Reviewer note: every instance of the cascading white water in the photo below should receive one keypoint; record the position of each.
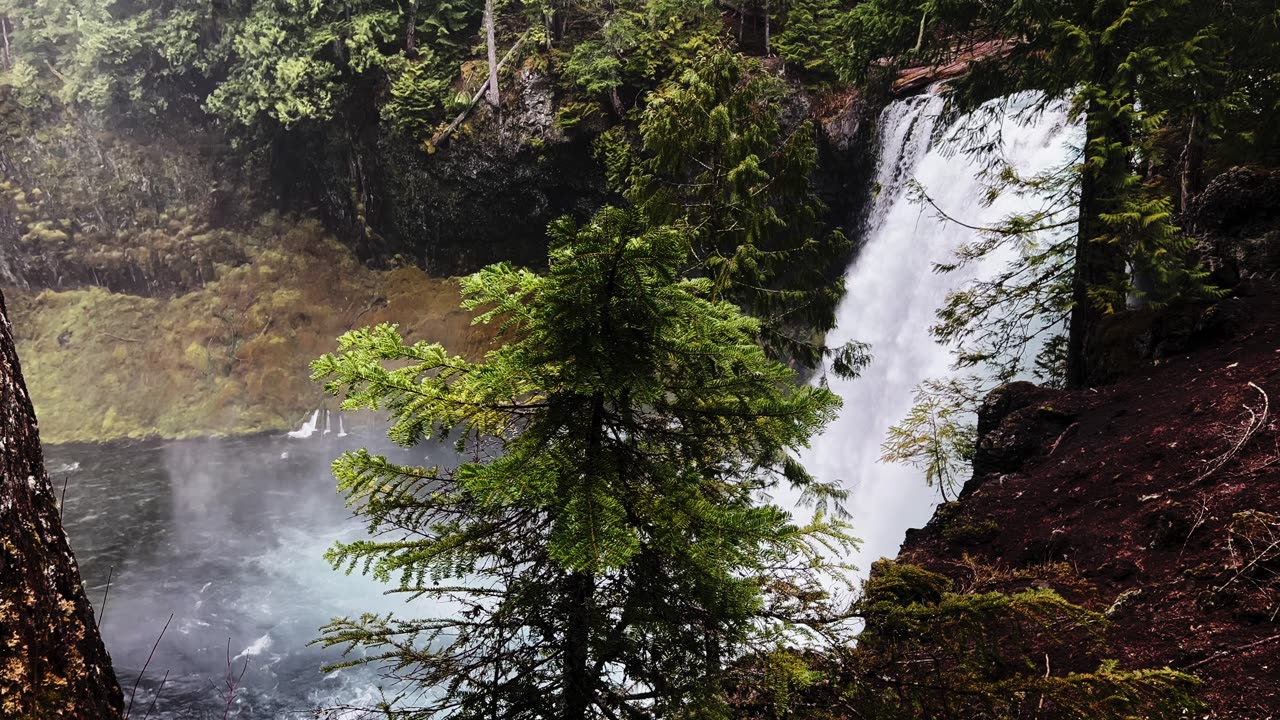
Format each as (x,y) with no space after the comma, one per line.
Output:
(308,428)
(893,294)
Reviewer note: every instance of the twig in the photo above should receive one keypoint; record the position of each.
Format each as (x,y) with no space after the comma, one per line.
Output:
(1256,423)
(1264,555)
(1040,707)
(62,503)
(1223,653)
(159,690)
(1053,448)
(232,684)
(105,591)
(1257,420)
(145,665)
(54,70)
(1204,510)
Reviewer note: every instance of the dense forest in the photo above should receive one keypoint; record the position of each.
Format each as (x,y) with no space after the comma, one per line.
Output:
(649,208)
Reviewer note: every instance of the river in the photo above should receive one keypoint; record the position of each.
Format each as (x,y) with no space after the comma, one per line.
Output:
(228,536)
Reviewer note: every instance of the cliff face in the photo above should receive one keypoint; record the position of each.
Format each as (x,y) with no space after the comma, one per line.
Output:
(485,196)
(1162,489)
(88,203)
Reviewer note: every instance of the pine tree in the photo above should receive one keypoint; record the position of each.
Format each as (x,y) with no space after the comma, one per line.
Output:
(712,152)
(603,551)
(810,36)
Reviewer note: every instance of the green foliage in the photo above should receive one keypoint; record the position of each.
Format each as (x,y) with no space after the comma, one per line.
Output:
(296,61)
(639,44)
(254,63)
(417,96)
(932,651)
(712,152)
(575,114)
(85,52)
(605,532)
(594,68)
(938,435)
(810,38)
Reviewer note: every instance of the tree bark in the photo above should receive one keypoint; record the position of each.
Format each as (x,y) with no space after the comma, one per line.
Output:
(52,660)
(443,136)
(1097,264)
(577,680)
(8,53)
(1192,164)
(767,49)
(410,36)
(493,53)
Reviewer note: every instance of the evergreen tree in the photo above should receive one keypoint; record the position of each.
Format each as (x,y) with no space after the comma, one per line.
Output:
(712,152)
(604,550)
(810,36)
(55,664)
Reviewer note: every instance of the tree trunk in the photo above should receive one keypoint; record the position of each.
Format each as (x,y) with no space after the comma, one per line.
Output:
(1192,164)
(766,28)
(616,101)
(410,36)
(577,680)
(55,665)
(493,53)
(4,30)
(1097,264)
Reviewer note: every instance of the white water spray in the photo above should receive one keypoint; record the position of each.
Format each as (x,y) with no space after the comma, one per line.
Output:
(308,428)
(893,294)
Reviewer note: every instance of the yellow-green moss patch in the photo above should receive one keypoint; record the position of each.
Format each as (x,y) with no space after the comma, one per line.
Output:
(229,357)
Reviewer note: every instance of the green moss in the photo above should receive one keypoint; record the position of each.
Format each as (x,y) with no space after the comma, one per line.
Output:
(230,356)
(959,528)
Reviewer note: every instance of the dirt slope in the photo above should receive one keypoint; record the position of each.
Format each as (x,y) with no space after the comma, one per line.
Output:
(1163,490)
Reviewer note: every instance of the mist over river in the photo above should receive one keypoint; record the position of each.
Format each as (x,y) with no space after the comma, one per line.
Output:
(228,536)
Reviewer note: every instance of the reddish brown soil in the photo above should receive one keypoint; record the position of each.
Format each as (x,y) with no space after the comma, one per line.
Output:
(1152,491)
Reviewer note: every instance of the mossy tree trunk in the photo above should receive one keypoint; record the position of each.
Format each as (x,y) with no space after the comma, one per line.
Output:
(52,660)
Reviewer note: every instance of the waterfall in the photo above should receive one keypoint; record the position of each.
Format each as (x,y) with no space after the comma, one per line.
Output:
(892,294)
(308,428)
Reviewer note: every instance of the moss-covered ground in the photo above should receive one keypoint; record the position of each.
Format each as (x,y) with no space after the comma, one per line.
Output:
(230,356)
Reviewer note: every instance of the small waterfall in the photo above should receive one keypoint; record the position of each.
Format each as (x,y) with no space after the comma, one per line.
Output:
(893,293)
(327,419)
(308,428)
(342,431)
